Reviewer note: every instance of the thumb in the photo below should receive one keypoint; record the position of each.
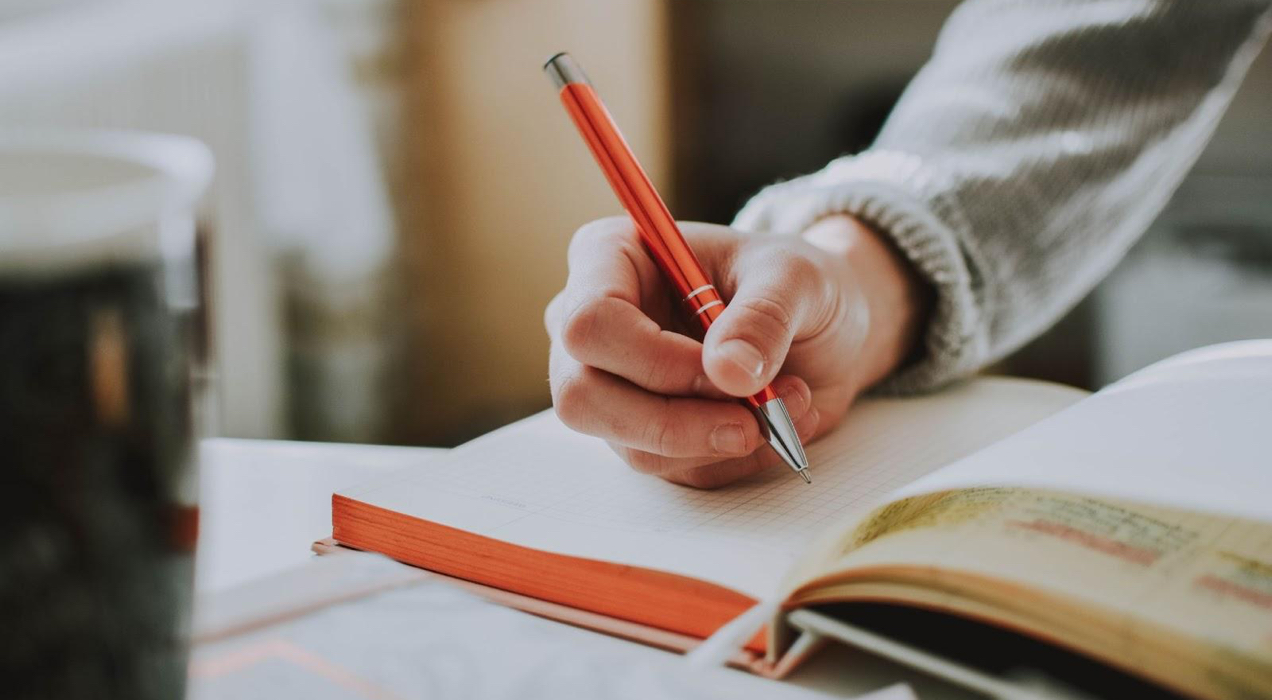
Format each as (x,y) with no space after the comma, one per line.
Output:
(777,297)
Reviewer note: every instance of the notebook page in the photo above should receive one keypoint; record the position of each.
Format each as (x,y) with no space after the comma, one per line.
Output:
(1192,432)
(537,484)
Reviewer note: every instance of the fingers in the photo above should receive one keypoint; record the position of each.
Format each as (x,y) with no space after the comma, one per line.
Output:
(656,395)
(601,268)
(612,335)
(597,319)
(598,403)
(665,436)
(709,474)
(780,295)
(606,260)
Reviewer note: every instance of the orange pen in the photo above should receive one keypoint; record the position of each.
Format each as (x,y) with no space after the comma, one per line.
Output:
(662,238)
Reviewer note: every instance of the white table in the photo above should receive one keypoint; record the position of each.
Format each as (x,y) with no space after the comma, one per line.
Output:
(264,502)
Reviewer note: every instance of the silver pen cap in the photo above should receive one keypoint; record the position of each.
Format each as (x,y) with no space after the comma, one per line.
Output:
(562,70)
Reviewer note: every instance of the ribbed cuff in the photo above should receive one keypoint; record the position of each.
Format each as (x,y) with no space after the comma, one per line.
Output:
(896,194)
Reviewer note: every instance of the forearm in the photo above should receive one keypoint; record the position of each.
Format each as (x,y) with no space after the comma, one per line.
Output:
(1028,155)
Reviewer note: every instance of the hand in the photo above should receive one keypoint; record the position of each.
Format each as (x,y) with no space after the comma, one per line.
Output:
(821,317)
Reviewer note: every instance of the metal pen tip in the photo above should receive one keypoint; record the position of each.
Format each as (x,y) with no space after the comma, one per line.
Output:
(779,430)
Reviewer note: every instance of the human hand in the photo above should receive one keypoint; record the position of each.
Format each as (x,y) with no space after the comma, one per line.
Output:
(821,317)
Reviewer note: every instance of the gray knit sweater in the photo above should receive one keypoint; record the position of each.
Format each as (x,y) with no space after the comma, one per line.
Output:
(1037,144)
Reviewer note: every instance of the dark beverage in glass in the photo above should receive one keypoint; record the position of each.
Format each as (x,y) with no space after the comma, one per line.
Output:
(97,507)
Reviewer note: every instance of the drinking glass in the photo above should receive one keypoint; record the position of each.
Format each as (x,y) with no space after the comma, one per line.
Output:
(98,315)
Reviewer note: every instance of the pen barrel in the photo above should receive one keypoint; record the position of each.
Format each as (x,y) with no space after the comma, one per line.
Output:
(704,304)
(657,228)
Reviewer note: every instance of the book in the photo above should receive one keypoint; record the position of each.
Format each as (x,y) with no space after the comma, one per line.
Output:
(1132,527)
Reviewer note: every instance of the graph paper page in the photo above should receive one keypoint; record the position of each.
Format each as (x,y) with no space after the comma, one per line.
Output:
(1190,432)
(537,484)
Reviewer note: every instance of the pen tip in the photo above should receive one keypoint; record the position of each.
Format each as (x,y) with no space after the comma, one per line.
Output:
(804,475)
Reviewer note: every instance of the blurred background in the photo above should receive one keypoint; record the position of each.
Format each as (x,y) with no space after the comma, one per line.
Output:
(396,183)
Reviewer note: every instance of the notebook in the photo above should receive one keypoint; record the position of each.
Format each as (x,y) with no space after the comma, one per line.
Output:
(1130,527)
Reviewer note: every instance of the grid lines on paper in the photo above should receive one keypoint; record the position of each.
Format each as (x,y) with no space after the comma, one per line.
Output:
(568,477)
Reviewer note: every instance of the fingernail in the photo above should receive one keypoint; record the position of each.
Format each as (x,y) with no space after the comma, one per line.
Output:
(793,398)
(744,355)
(699,382)
(728,439)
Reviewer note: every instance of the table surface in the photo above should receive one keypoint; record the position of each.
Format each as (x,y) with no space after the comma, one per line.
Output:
(264,502)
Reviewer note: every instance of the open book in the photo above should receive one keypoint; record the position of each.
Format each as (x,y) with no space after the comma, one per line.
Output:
(1132,526)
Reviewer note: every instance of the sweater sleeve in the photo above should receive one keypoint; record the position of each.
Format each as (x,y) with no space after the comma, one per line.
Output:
(1036,145)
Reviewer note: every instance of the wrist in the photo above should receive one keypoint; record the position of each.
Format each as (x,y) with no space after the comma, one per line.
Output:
(873,273)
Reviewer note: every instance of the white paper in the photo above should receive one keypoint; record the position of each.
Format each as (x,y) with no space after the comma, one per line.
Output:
(424,640)
(537,484)
(1194,432)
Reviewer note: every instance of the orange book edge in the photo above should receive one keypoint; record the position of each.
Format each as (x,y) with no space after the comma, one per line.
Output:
(664,610)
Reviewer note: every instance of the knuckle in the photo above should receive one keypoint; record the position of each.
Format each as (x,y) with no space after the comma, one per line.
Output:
(661,372)
(798,269)
(700,478)
(552,313)
(570,399)
(603,229)
(579,325)
(643,462)
(767,317)
(663,435)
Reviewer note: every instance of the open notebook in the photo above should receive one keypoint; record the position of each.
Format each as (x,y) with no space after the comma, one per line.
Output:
(1130,527)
